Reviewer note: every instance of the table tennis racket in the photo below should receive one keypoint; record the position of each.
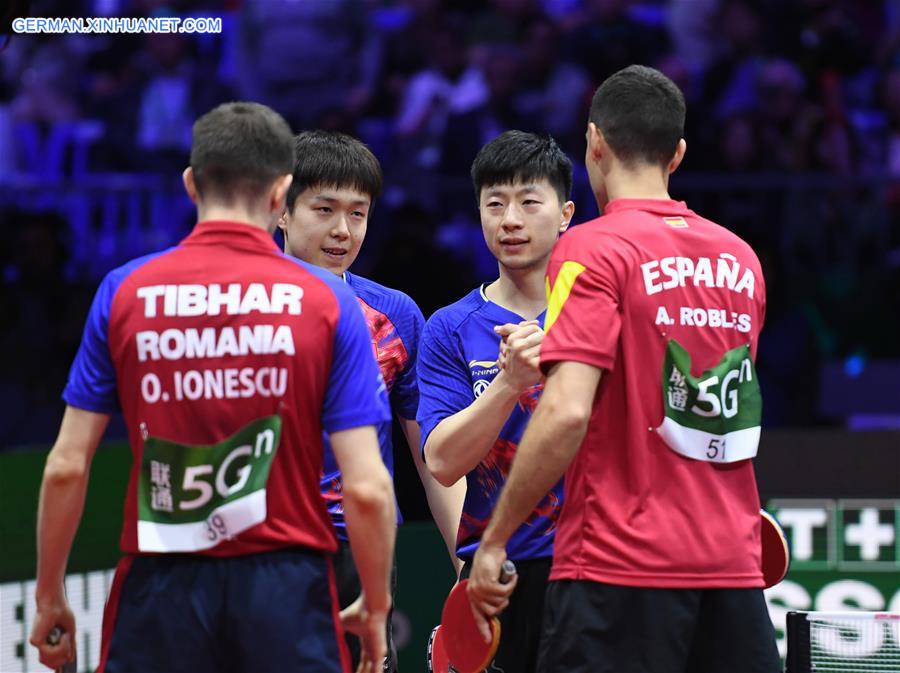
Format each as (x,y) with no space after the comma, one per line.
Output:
(53,638)
(437,653)
(776,558)
(466,650)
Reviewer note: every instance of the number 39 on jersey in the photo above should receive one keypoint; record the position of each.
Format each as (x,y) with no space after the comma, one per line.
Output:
(193,497)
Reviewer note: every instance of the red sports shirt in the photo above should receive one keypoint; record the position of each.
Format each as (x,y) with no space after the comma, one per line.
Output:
(670,306)
(228,359)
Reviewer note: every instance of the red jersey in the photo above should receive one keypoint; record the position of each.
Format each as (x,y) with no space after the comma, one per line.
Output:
(662,492)
(228,359)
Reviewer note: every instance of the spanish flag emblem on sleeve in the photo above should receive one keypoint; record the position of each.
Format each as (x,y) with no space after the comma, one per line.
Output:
(676,222)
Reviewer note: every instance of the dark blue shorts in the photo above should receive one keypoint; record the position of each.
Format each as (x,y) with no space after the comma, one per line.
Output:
(275,611)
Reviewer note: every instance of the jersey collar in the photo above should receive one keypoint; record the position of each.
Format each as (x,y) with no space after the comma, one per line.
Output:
(501,314)
(660,206)
(230,233)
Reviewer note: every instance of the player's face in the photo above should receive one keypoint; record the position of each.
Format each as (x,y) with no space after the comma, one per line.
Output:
(327,227)
(522,221)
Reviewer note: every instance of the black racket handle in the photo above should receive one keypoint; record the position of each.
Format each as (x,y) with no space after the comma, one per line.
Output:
(507,570)
(53,638)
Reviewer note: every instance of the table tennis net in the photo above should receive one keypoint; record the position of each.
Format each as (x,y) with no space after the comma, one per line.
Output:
(843,642)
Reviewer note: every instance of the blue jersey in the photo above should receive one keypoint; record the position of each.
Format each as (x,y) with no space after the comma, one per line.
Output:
(457,362)
(395,323)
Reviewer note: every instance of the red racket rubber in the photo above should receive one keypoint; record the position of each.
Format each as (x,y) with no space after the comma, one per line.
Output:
(466,649)
(776,557)
(437,653)
(464,645)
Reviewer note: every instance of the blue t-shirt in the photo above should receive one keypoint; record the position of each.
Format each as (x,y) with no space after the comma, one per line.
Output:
(395,323)
(457,362)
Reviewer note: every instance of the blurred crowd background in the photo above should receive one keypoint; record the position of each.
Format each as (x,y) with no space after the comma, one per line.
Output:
(793,134)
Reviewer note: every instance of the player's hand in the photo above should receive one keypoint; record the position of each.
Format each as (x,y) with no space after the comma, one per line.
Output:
(486,594)
(520,353)
(352,616)
(51,613)
(374,643)
(371,628)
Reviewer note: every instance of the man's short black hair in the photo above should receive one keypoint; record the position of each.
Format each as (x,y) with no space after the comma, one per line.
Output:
(518,156)
(333,159)
(238,149)
(640,112)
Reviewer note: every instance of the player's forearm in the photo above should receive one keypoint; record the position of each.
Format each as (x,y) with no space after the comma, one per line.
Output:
(445,502)
(371,519)
(59,512)
(461,441)
(548,446)
(62,495)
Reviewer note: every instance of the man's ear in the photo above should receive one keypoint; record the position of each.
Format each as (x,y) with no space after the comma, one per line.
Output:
(596,143)
(278,193)
(187,177)
(568,210)
(679,156)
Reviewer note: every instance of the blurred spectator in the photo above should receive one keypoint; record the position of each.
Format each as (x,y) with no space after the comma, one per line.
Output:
(788,123)
(606,38)
(730,83)
(48,88)
(468,131)
(744,210)
(803,136)
(824,36)
(166,110)
(407,34)
(693,32)
(504,21)
(447,86)
(740,149)
(308,59)
(890,141)
(8,157)
(886,142)
(554,92)
(114,96)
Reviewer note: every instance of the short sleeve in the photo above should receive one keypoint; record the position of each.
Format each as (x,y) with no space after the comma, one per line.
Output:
(356,394)
(405,393)
(584,317)
(445,386)
(92,378)
(761,304)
